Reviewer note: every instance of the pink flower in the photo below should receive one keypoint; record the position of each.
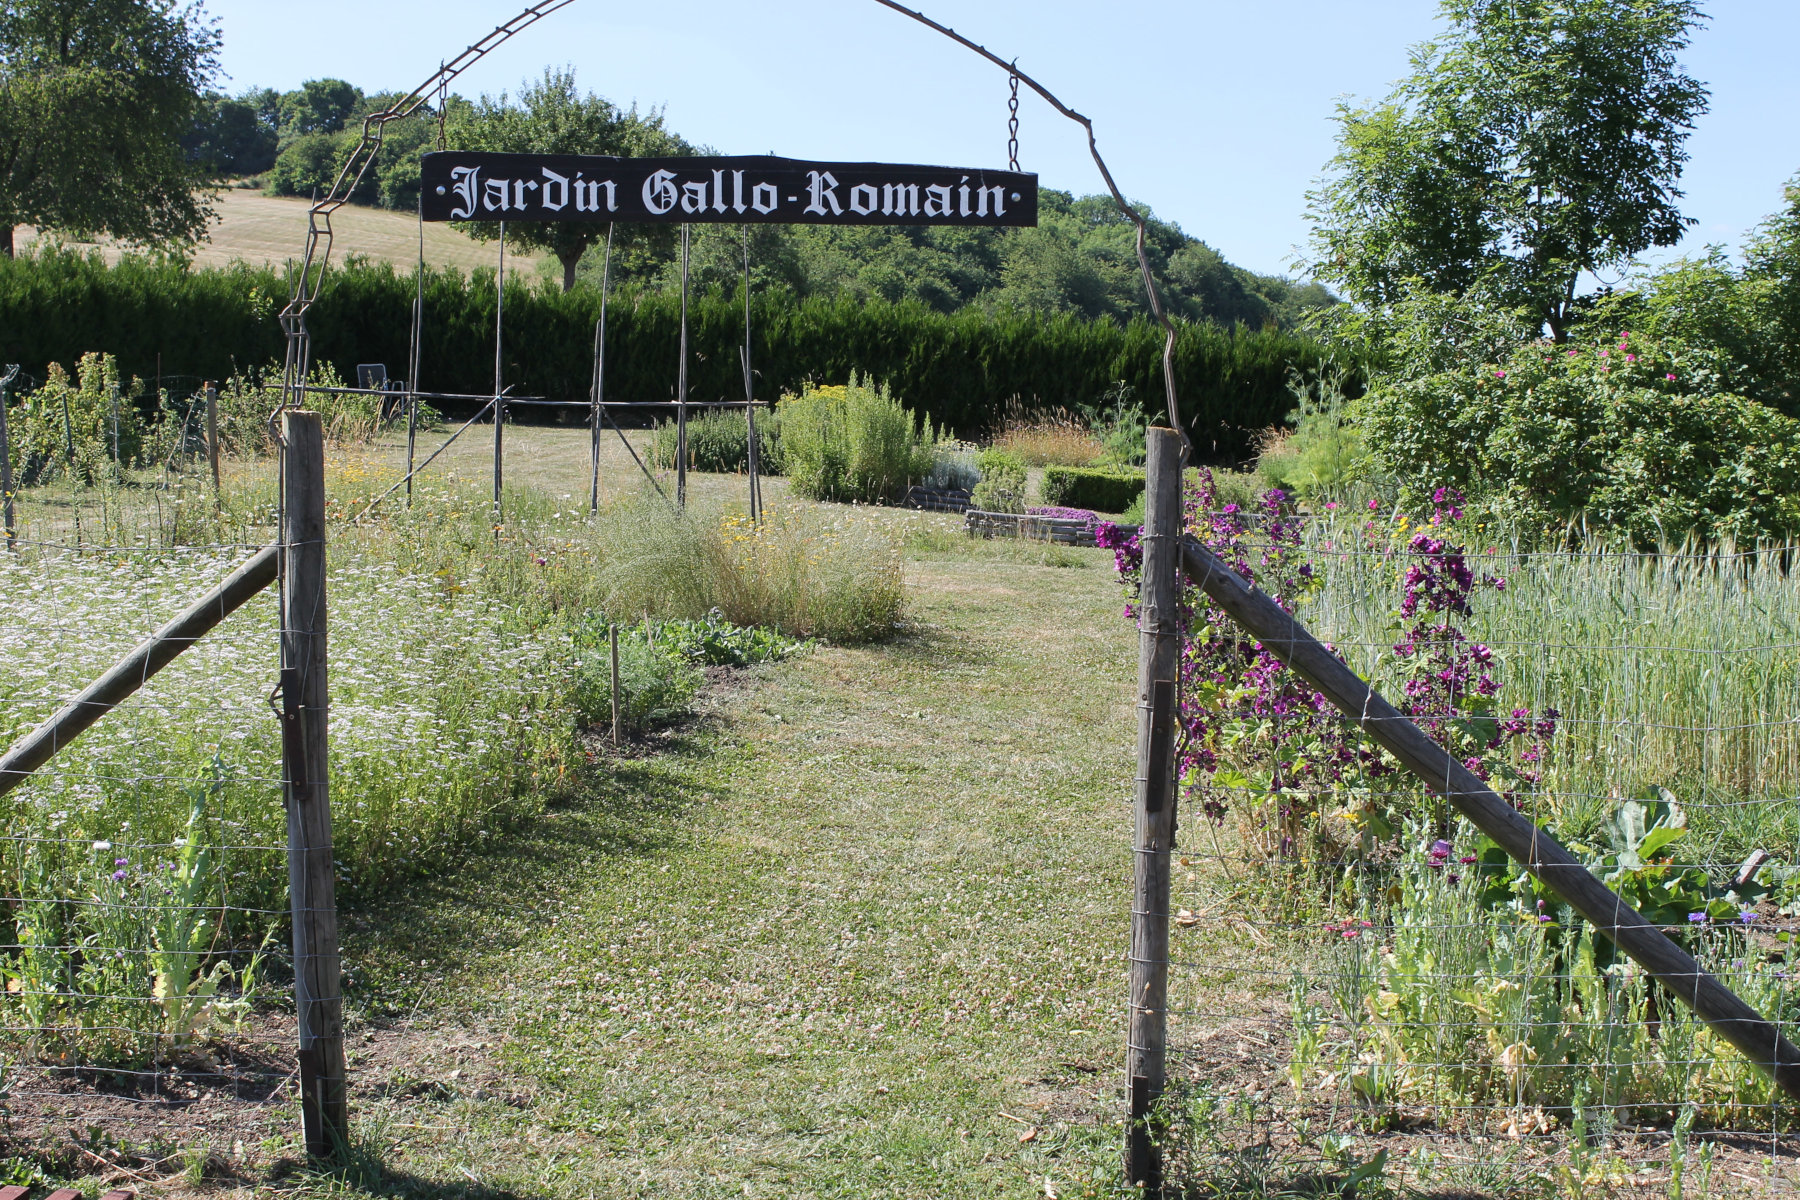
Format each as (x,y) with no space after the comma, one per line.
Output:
(1631,358)
(1605,353)
(1374,506)
(1670,378)
(1331,506)
(1573,353)
(1499,374)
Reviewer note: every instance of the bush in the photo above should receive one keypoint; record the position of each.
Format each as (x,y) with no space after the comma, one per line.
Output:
(656,683)
(954,369)
(1002,485)
(69,428)
(853,443)
(1102,491)
(1627,435)
(800,571)
(1324,453)
(953,467)
(719,440)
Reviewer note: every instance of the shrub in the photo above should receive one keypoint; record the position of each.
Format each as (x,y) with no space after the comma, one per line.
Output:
(1622,435)
(719,440)
(953,466)
(1102,491)
(799,571)
(1324,453)
(1002,485)
(657,684)
(955,369)
(69,428)
(853,443)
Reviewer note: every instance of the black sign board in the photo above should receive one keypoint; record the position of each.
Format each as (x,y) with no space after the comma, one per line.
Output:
(476,186)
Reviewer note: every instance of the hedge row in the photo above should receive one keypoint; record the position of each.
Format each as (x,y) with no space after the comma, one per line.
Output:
(961,370)
(1082,487)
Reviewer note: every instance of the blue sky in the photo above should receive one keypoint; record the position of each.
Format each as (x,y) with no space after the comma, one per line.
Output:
(1216,112)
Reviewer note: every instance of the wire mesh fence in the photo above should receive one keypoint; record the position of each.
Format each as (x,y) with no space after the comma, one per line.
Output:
(1363,986)
(143,868)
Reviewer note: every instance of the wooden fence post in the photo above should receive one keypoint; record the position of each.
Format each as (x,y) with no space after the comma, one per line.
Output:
(304,718)
(212,432)
(6,480)
(612,637)
(1159,649)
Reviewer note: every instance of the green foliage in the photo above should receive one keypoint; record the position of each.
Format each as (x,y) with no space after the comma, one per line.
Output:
(232,136)
(853,442)
(1324,454)
(715,642)
(1102,491)
(800,572)
(1772,262)
(553,117)
(1532,142)
(958,370)
(95,99)
(657,684)
(66,429)
(719,440)
(1002,484)
(1635,435)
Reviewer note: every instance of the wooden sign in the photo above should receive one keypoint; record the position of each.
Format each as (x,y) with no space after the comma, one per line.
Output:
(475,186)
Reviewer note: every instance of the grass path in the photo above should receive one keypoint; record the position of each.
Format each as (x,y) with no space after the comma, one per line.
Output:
(859,932)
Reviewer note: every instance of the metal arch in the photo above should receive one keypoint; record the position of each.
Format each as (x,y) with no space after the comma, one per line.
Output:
(318,226)
(1125,206)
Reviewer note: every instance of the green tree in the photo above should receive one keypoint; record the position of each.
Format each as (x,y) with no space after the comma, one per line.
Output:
(318,106)
(1772,263)
(1533,141)
(96,97)
(231,137)
(554,117)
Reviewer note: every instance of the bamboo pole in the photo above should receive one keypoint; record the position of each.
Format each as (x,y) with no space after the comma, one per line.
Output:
(135,669)
(305,718)
(1159,649)
(1540,853)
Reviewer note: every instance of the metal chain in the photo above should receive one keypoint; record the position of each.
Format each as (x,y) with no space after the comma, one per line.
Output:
(443,106)
(1012,124)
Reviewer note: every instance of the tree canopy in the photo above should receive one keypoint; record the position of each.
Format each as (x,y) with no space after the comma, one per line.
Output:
(553,116)
(1533,141)
(96,100)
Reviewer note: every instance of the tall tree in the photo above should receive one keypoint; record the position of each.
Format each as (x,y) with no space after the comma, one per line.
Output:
(96,97)
(553,117)
(1535,140)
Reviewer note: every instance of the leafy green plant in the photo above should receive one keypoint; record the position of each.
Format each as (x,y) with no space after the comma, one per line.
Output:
(656,684)
(720,441)
(853,442)
(1102,491)
(714,641)
(1628,434)
(70,429)
(1323,454)
(1002,484)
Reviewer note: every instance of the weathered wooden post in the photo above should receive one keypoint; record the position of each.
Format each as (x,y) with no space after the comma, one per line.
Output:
(681,385)
(212,432)
(499,370)
(612,636)
(305,715)
(6,480)
(1159,651)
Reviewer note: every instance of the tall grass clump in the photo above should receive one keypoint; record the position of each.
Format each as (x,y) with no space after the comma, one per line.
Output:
(1051,440)
(853,442)
(804,572)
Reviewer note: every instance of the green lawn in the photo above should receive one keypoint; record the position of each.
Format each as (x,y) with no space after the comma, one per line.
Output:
(859,931)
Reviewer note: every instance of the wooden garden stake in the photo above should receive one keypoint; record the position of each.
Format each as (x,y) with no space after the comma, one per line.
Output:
(212,432)
(499,395)
(612,637)
(305,715)
(6,480)
(1159,650)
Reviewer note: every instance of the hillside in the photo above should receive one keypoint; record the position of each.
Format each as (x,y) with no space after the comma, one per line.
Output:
(260,229)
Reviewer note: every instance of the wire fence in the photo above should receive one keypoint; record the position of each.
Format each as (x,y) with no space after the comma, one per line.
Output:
(142,868)
(1362,985)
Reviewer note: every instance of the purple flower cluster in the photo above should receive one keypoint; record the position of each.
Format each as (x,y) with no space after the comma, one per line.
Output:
(1061,513)
(1237,699)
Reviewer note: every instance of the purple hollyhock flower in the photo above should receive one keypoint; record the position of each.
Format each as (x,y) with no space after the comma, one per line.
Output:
(118,876)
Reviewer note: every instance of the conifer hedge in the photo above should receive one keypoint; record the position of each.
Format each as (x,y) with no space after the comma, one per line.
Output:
(961,370)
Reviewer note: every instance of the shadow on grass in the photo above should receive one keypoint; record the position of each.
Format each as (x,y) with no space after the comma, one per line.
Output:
(617,810)
(367,1175)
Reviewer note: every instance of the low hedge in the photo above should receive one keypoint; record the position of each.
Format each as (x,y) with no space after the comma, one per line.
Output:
(1084,487)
